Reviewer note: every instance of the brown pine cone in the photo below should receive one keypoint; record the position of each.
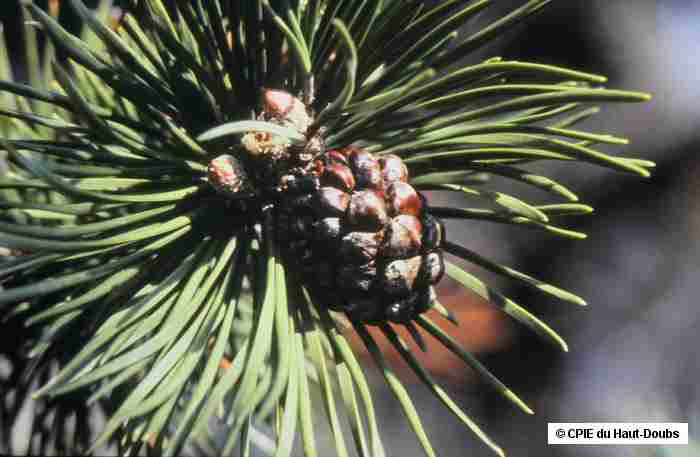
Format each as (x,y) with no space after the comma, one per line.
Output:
(375,249)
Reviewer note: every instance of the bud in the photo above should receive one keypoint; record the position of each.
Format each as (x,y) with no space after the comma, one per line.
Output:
(227,175)
(286,108)
(278,103)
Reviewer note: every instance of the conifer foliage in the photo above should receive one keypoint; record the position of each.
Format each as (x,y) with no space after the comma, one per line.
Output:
(159,166)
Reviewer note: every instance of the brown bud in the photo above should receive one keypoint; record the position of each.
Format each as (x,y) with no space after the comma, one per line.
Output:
(432,268)
(367,210)
(339,176)
(360,247)
(393,169)
(331,202)
(399,276)
(367,171)
(403,237)
(277,102)
(402,198)
(433,232)
(285,108)
(357,278)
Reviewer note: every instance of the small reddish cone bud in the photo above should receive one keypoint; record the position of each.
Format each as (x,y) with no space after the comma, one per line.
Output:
(331,201)
(226,175)
(393,169)
(367,210)
(360,247)
(403,237)
(285,108)
(338,175)
(277,102)
(402,198)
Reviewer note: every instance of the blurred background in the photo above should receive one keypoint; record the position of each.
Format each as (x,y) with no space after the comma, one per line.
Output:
(633,349)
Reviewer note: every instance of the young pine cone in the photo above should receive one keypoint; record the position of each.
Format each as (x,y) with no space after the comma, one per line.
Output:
(362,236)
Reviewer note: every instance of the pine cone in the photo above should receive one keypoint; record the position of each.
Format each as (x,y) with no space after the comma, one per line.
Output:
(367,235)
(358,231)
